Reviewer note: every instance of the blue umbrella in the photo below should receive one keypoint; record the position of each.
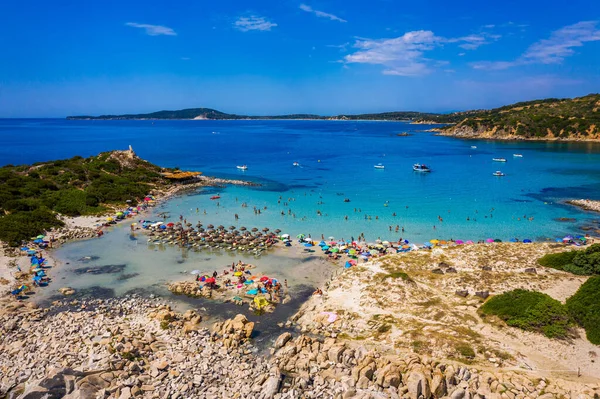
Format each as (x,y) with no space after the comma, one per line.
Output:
(308,245)
(513,240)
(322,244)
(325,247)
(427,244)
(527,241)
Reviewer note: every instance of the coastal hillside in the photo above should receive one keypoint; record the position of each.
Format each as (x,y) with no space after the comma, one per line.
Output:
(31,196)
(550,119)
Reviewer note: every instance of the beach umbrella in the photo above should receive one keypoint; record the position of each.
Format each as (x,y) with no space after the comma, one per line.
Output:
(386,243)
(221,227)
(243,228)
(434,242)
(38,241)
(373,252)
(335,249)
(277,231)
(427,244)
(470,242)
(40,236)
(170,224)
(513,240)
(300,236)
(527,241)
(324,247)
(489,240)
(352,252)
(285,236)
(459,242)
(254,230)
(265,229)
(308,245)
(378,241)
(210,280)
(331,238)
(231,227)
(497,240)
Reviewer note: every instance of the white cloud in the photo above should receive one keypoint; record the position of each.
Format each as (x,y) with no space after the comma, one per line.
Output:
(253,22)
(153,30)
(405,55)
(553,50)
(321,14)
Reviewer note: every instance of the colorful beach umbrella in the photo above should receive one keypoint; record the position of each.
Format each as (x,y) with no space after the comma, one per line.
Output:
(489,240)
(459,242)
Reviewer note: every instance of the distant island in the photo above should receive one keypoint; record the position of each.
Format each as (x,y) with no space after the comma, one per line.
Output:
(547,119)
(211,114)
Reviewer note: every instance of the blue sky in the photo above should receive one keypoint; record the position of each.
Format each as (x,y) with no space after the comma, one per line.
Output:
(61,58)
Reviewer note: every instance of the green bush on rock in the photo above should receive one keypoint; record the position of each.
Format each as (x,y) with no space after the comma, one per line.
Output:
(584,307)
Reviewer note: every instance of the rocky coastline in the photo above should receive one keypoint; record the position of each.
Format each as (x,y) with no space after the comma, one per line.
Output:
(482,133)
(139,347)
(586,204)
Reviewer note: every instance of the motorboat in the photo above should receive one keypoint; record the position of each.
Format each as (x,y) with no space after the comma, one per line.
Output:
(474,147)
(518,155)
(418,167)
(379,166)
(499,159)
(214,197)
(243,167)
(498,173)
(296,164)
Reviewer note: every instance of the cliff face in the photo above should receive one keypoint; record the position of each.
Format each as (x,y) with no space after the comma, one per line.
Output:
(510,133)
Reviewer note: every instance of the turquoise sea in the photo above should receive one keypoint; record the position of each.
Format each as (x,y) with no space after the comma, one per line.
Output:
(461,197)
(337,159)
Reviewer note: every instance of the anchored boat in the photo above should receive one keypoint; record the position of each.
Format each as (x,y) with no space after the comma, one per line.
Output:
(379,166)
(499,159)
(418,167)
(243,167)
(498,173)
(518,155)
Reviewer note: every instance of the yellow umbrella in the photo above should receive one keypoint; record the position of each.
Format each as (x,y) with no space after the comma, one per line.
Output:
(237,274)
(434,241)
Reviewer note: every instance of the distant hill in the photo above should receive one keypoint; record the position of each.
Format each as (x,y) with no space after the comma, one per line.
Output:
(208,113)
(549,119)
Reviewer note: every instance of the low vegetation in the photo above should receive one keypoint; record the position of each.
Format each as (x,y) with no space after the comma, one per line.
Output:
(530,311)
(31,196)
(584,307)
(563,118)
(584,262)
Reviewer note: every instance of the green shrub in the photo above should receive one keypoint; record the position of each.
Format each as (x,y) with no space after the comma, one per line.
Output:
(530,311)
(584,307)
(557,261)
(584,262)
(20,226)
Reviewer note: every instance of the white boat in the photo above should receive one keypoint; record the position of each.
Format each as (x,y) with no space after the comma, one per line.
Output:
(243,167)
(499,159)
(518,155)
(474,147)
(421,168)
(296,164)
(498,173)
(379,166)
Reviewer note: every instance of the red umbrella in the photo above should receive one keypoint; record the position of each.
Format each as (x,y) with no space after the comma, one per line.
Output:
(264,278)
(210,280)
(171,224)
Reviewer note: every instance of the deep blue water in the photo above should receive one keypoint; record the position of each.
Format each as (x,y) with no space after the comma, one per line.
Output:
(337,160)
